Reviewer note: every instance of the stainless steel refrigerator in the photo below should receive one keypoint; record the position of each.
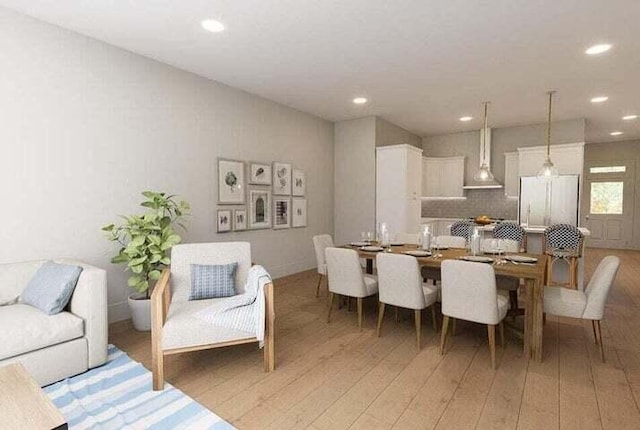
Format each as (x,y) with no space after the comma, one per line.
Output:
(544,202)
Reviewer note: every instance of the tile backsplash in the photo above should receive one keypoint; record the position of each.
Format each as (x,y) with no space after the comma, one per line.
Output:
(478,202)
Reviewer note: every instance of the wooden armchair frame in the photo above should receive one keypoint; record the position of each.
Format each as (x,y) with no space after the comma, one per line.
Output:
(160,301)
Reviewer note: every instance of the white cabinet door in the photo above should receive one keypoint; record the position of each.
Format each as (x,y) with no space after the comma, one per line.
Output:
(511,176)
(568,158)
(430,177)
(442,177)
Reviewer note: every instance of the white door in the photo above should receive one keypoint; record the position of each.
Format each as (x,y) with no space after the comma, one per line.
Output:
(608,204)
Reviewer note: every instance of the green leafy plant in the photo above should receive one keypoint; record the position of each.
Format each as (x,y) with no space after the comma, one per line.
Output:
(146,239)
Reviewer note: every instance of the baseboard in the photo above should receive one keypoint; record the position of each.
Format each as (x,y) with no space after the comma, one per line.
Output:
(118,312)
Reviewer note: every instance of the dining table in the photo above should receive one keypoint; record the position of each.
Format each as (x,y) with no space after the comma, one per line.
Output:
(532,274)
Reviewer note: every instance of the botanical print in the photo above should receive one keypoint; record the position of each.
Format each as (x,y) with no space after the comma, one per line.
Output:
(240,219)
(259,174)
(224,220)
(299,213)
(282,218)
(231,185)
(282,179)
(299,183)
(259,209)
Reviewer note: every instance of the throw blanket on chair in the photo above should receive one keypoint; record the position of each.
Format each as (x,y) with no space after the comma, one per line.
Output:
(245,312)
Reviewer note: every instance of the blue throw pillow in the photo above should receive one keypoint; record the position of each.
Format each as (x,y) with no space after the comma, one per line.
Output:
(213,281)
(51,287)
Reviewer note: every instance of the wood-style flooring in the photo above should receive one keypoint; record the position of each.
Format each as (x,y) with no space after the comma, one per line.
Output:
(332,376)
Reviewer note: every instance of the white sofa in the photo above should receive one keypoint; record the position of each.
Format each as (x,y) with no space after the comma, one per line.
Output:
(53,347)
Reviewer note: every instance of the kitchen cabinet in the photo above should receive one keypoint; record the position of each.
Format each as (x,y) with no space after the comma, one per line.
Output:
(568,158)
(511,174)
(442,177)
(398,187)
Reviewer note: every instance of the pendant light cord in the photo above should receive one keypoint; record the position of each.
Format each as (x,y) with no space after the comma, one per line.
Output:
(484,136)
(549,126)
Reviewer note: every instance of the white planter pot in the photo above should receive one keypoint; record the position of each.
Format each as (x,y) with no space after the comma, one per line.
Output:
(140,309)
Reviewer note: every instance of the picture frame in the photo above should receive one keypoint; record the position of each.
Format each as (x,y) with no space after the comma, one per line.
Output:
(239,219)
(259,174)
(224,220)
(281,212)
(281,179)
(231,182)
(299,212)
(259,209)
(298,183)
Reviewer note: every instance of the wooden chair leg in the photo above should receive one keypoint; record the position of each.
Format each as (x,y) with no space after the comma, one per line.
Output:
(599,331)
(595,335)
(453,326)
(434,320)
(397,314)
(318,286)
(491,329)
(380,318)
(158,369)
(443,335)
(418,318)
(331,296)
(502,333)
(359,304)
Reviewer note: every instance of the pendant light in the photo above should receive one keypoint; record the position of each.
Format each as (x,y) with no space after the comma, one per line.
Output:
(484,173)
(548,170)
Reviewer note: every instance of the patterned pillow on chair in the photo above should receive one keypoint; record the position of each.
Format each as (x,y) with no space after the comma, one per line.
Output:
(213,281)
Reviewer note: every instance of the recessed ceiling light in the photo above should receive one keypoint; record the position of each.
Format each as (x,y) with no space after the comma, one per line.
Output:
(466,118)
(599,99)
(212,25)
(616,133)
(360,100)
(629,117)
(598,49)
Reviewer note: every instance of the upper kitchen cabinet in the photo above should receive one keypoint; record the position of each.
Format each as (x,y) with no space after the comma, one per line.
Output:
(568,158)
(511,175)
(442,177)
(398,183)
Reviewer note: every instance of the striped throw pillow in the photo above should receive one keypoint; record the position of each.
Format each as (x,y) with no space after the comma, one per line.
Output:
(213,281)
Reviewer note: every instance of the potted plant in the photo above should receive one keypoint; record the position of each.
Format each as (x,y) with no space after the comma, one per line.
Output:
(145,243)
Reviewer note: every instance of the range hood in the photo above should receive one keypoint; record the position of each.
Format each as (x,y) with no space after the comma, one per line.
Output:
(485,159)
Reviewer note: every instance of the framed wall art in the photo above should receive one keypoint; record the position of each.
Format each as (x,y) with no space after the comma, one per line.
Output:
(259,174)
(282,179)
(239,219)
(299,212)
(281,212)
(224,220)
(259,209)
(298,182)
(231,184)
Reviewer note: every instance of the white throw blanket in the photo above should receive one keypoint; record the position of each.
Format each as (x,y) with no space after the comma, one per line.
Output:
(245,312)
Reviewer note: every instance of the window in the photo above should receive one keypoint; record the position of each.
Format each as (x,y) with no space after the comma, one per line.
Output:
(608,169)
(606,197)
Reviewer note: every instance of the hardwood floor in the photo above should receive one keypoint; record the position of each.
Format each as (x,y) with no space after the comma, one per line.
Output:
(333,376)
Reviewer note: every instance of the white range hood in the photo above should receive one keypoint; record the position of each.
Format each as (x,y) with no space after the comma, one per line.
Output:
(485,158)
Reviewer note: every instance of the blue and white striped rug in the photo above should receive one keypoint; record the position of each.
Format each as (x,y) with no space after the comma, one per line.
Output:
(118,395)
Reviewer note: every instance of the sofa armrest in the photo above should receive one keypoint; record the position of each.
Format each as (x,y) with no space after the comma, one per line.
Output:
(89,302)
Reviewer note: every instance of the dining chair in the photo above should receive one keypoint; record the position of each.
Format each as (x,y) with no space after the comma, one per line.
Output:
(588,304)
(400,285)
(506,283)
(443,241)
(562,242)
(462,228)
(469,293)
(407,238)
(346,278)
(512,231)
(320,243)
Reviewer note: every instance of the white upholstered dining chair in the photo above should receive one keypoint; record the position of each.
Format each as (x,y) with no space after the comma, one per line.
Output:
(345,277)
(506,283)
(469,293)
(320,243)
(588,304)
(407,238)
(400,285)
(175,327)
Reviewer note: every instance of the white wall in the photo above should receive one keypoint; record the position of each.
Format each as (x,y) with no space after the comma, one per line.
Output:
(86,127)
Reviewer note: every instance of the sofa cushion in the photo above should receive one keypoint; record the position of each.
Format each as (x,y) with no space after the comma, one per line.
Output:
(25,329)
(14,277)
(51,287)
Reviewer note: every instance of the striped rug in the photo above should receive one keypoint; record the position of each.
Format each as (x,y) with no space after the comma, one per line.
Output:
(118,395)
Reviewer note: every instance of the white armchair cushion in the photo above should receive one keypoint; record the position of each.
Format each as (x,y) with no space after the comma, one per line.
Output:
(564,302)
(25,328)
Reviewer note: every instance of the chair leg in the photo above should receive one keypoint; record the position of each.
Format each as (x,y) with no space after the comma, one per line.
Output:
(599,331)
(397,314)
(513,299)
(443,335)
(318,286)
(502,333)
(359,304)
(595,334)
(453,326)
(434,320)
(491,329)
(418,317)
(380,318)
(158,369)
(331,296)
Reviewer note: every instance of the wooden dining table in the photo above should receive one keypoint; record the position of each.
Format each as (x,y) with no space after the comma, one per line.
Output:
(533,275)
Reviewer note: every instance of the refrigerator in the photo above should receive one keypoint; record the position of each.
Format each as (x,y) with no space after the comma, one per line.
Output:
(544,202)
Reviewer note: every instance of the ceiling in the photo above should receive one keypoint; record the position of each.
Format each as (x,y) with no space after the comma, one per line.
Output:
(421,63)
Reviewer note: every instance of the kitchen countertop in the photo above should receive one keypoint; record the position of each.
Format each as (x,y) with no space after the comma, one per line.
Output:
(534,229)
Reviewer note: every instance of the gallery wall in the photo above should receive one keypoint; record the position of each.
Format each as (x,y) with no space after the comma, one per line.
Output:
(87,127)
